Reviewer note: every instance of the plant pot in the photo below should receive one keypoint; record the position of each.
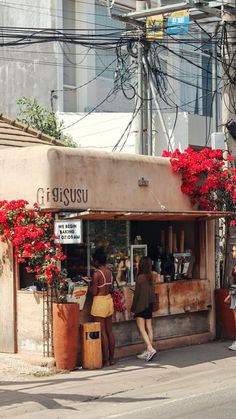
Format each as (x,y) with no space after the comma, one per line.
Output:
(224,315)
(66,334)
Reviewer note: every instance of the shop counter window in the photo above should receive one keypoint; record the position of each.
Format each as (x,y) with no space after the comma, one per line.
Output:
(113,235)
(177,249)
(76,260)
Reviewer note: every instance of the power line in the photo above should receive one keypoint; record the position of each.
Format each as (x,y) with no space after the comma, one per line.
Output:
(128,127)
(111,42)
(110,94)
(50,14)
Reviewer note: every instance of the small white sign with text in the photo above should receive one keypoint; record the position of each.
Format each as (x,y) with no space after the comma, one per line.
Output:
(68,231)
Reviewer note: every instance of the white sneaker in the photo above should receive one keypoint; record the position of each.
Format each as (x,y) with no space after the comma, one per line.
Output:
(151,355)
(143,355)
(233,346)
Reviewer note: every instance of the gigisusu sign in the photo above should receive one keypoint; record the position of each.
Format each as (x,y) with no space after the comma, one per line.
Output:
(63,196)
(68,231)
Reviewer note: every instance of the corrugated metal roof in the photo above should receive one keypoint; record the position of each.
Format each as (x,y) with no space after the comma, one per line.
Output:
(16,134)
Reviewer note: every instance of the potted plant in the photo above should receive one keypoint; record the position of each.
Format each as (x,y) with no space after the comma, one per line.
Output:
(30,231)
(224,314)
(65,328)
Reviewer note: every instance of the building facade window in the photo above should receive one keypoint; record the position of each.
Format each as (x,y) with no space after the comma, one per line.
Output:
(69,58)
(104,57)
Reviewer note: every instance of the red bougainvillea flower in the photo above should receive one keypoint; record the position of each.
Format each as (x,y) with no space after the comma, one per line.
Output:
(207,178)
(31,233)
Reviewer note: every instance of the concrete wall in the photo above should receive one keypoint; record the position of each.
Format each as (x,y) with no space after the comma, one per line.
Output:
(101,130)
(163,328)
(32,70)
(189,130)
(63,178)
(104,130)
(35,70)
(7,298)
(29,321)
(94,90)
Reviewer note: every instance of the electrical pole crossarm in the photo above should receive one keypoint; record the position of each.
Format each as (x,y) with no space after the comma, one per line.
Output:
(128,20)
(159,10)
(187,5)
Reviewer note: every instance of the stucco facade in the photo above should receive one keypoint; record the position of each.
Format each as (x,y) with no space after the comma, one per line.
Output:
(61,178)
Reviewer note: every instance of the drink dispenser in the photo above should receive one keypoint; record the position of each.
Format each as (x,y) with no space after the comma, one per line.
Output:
(182,262)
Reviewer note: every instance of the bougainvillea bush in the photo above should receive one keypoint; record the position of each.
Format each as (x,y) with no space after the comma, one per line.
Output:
(31,233)
(207,178)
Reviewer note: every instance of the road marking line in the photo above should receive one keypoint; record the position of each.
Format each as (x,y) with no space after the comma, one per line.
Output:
(165,403)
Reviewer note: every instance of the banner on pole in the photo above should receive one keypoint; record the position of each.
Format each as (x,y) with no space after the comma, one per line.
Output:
(178,23)
(154,27)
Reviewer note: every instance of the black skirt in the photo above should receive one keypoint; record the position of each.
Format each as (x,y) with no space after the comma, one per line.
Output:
(145,314)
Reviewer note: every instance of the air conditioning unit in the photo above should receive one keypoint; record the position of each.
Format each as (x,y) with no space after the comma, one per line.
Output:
(217,141)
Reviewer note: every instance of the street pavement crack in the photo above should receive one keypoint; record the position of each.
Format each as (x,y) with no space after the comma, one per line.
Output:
(104,396)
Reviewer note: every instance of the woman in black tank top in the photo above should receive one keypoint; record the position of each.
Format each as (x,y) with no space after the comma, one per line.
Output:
(142,306)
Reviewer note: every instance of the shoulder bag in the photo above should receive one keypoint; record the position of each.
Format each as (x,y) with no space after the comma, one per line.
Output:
(118,298)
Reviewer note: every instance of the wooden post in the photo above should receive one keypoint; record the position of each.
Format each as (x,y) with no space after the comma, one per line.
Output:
(170,239)
(174,243)
(181,245)
(163,239)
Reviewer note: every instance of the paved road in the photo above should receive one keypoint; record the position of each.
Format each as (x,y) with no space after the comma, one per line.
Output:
(219,404)
(195,382)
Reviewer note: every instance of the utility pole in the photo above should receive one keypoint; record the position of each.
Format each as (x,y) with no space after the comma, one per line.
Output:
(215,118)
(229,79)
(141,98)
(149,110)
(229,111)
(215,104)
(146,89)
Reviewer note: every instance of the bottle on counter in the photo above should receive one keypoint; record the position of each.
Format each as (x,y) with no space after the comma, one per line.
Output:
(158,265)
(138,240)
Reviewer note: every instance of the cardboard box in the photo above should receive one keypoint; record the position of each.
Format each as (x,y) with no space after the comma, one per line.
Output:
(78,295)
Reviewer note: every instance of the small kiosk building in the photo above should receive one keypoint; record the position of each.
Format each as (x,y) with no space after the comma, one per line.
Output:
(131,205)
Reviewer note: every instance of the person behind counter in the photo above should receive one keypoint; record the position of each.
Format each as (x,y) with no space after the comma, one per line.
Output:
(143,303)
(102,306)
(123,272)
(231,298)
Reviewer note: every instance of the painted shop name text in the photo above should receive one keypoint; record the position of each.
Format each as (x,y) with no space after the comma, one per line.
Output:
(64,196)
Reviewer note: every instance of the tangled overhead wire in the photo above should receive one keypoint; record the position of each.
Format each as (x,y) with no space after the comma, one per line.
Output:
(171,59)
